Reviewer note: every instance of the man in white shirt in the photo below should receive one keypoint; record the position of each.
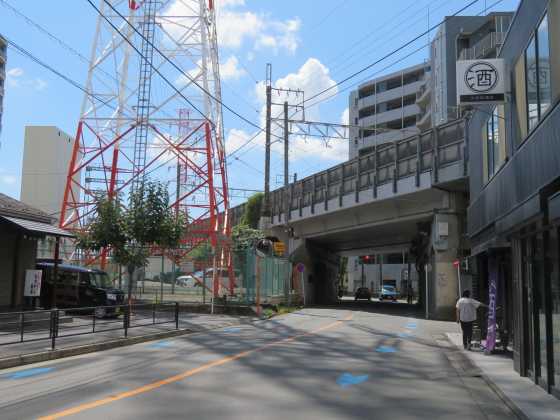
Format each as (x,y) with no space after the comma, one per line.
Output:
(466,315)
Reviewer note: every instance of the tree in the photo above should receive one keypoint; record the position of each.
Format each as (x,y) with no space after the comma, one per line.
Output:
(245,237)
(252,212)
(131,233)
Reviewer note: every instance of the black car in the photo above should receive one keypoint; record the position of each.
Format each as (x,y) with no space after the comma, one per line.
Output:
(362,293)
(79,287)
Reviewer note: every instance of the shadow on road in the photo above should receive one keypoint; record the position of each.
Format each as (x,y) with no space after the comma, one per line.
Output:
(377,307)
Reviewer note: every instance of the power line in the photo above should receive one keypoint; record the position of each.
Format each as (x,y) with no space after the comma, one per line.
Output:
(329,14)
(392,64)
(341,60)
(393,52)
(375,45)
(29,55)
(169,61)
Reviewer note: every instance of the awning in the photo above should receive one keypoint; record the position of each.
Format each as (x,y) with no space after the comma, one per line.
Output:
(37,227)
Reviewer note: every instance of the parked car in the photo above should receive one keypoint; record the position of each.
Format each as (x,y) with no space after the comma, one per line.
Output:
(362,293)
(388,292)
(196,279)
(79,287)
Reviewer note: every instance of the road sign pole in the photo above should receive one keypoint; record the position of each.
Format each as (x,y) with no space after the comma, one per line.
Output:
(426,281)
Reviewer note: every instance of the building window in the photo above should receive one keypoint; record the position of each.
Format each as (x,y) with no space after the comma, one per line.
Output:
(537,70)
(493,142)
(543,45)
(554,258)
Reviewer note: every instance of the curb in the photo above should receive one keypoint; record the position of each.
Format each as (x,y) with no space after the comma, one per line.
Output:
(495,388)
(506,400)
(26,359)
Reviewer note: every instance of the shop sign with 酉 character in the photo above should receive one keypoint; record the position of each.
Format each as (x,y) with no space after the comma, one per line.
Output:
(481,81)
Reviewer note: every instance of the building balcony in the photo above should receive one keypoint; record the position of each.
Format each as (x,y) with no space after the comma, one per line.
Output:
(487,45)
(390,94)
(391,115)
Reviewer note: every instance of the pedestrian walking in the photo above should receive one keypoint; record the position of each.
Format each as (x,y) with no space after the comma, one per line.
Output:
(466,315)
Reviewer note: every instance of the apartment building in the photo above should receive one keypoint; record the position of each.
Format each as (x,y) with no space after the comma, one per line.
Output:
(458,38)
(3,62)
(384,109)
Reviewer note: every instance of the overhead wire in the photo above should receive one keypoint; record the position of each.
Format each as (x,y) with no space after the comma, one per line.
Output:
(174,65)
(392,64)
(391,53)
(56,72)
(394,31)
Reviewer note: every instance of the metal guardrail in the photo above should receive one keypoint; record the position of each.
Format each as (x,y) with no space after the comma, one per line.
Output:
(378,165)
(30,326)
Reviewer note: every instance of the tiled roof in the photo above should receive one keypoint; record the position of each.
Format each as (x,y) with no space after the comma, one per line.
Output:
(11,207)
(37,227)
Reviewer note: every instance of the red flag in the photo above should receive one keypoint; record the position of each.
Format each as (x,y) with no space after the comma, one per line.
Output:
(132,4)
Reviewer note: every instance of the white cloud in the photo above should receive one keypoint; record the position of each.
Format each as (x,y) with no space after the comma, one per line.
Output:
(231,3)
(312,77)
(230,69)
(345,117)
(15,78)
(236,27)
(236,138)
(261,31)
(8,179)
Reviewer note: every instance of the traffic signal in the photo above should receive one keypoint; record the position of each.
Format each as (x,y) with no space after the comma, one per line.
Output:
(367,259)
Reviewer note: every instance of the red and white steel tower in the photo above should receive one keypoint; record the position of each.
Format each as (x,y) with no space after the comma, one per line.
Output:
(150,61)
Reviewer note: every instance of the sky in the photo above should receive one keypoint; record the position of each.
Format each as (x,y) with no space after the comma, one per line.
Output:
(311,45)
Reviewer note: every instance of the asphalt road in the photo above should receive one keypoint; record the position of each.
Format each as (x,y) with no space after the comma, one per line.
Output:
(332,363)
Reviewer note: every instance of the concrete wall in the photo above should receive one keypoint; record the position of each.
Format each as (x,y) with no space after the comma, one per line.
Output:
(46,156)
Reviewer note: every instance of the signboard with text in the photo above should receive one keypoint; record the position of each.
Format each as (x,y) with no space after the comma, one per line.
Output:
(279,248)
(481,81)
(32,287)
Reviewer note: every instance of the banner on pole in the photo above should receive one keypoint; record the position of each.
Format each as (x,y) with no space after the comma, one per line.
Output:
(492,299)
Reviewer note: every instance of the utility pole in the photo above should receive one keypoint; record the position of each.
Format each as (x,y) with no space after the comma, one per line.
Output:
(266,205)
(286,163)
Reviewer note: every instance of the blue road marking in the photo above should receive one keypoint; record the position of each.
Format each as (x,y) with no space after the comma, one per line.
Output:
(28,373)
(404,335)
(411,325)
(232,330)
(161,345)
(347,379)
(385,349)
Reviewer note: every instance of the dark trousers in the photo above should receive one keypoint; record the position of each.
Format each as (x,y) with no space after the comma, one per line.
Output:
(467,333)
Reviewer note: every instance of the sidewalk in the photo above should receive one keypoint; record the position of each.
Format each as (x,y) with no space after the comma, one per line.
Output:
(529,400)
(31,352)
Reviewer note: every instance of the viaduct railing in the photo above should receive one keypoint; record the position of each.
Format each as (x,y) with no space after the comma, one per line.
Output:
(430,151)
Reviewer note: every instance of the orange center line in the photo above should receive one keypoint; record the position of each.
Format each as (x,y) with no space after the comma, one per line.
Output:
(191,372)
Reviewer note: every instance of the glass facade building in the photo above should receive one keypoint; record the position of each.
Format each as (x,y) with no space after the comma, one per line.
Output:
(514,177)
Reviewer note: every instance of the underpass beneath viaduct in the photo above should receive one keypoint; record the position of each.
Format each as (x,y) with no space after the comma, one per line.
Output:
(409,197)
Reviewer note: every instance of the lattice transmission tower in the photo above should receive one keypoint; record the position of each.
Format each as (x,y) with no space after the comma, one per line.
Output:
(150,61)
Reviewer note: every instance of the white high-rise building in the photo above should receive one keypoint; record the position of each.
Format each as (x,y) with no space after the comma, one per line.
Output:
(46,156)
